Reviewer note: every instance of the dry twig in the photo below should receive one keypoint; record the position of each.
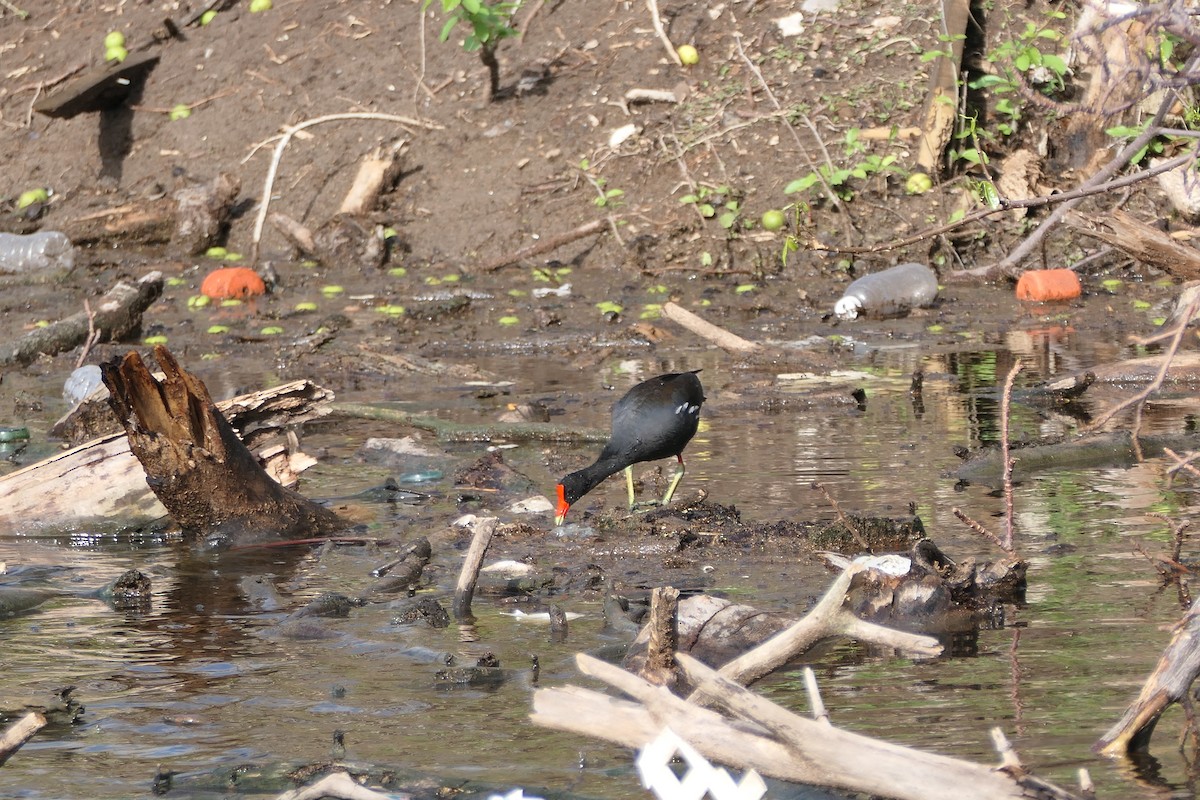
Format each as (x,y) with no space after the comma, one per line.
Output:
(1005,404)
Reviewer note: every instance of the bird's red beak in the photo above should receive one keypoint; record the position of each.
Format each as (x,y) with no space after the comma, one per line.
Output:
(560,513)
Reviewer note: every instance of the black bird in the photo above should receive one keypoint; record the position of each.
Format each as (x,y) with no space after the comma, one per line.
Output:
(655,419)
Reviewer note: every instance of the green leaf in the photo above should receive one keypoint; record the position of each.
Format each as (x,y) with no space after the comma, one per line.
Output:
(449,26)
(800,184)
(472,6)
(1023,62)
(706,210)
(728,219)
(1055,64)
(1122,131)
(689,198)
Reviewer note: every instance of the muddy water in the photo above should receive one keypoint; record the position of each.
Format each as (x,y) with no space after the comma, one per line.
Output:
(205,685)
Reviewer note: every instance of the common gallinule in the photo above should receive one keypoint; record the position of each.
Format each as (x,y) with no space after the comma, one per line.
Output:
(655,419)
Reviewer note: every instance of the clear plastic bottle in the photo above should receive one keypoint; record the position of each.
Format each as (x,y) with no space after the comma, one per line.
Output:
(82,382)
(44,251)
(893,292)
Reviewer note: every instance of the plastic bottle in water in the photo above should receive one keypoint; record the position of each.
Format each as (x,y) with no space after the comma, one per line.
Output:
(44,251)
(81,384)
(893,292)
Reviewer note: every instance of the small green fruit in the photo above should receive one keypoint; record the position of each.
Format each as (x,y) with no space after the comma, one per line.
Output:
(688,55)
(114,39)
(117,54)
(259,5)
(32,196)
(772,220)
(180,112)
(207,17)
(306,305)
(918,183)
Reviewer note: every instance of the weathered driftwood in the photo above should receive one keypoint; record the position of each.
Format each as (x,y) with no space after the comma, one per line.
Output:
(208,481)
(377,172)
(722,338)
(941,99)
(1174,674)
(1139,241)
(18,733)
(469,574)
(715,630)
(192,219)
(771,740)
(202,212)
(102,87)
(106,482)
(115,315)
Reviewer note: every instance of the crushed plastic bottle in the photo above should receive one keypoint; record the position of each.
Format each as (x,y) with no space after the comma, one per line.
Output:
(44,251)
(893,292)
(81,383)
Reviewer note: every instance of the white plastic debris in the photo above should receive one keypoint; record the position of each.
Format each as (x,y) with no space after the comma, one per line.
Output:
(700,777)
(538,504)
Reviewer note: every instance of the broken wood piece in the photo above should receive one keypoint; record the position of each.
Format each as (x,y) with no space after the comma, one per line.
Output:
(1140,241)
(546,245)
(18,733)
(117,315)
(376,174)
(485,527)
(706,330)
(296,233)
(663,638)
(202,212)
(651,96)
(752,643)
(1169,683)
(208,481)
(829,617)
(108,485)
(767,738)
(98,89)
(941,98)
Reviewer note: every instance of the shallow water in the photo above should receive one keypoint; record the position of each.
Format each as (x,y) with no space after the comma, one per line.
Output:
(204,685)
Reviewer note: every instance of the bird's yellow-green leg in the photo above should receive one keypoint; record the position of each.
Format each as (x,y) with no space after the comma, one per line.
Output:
(679,470)
(629,483)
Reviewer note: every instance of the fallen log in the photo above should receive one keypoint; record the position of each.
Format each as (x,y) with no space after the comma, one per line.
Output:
(1139,241)
(771,740)
(108,484)
(1174,674)
(117,314)
(208,481)
(713,630)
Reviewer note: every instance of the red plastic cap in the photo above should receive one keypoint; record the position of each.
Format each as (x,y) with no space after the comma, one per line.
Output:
(236,282)
(1041,285)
